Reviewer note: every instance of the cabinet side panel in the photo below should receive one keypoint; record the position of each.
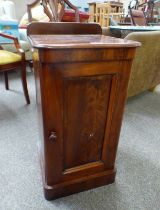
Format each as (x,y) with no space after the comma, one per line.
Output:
(38,84)
(85,111)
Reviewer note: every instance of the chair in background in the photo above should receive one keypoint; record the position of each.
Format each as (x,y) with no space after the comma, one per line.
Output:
(7,12)
(35,12)
(10,61)
(138,17)
(143,15)
(30,10)
(145,74)
(148,10)
(55,10)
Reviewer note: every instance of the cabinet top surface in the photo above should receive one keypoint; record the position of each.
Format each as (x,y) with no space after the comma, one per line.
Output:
(80,41)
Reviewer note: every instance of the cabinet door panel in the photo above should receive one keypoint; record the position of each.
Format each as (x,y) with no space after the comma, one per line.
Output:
(86,103)
(85,110)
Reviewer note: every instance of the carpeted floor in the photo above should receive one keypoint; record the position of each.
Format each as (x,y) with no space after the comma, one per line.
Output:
(137,185)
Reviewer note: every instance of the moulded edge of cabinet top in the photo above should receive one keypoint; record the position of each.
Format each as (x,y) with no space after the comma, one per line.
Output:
(80,41)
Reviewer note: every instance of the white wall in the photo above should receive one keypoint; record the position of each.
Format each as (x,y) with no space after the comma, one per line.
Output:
(21,7)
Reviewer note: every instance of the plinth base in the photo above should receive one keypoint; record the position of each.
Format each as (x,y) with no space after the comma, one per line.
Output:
(52,192)
(78,185)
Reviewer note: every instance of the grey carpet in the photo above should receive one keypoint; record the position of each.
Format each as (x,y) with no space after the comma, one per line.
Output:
(137,185)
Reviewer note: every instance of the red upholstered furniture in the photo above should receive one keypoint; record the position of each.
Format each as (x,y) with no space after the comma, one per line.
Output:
(69,16)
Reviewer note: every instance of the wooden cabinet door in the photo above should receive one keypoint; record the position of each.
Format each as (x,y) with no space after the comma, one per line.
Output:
(80,103)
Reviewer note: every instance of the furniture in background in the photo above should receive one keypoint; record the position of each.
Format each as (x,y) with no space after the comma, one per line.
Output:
(46,11)
(149,8)
(117,11)
(157,9)
(35,5)
(35,12)
(102,14)
(55,10)
(24,44)
(81,83)
(92,11)
(122,31)
(145,73)
(52,10)
(10,61)
(96,10)
(105,13)
(138,17)
(8,8)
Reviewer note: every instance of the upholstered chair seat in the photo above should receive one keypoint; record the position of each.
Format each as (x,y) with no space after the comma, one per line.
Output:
(10,61)
(24,45)
(8,57)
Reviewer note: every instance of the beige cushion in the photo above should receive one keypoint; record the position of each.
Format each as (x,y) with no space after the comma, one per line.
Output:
(8,57)
(145,72)
(28,55)
(37,15)
(24,45)
(11,47)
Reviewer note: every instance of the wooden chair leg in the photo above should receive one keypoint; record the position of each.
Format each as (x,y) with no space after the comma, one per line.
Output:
(24,83)
(31,64)
(6,80)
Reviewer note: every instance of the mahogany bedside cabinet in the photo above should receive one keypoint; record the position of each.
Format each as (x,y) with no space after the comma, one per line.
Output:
(81,85)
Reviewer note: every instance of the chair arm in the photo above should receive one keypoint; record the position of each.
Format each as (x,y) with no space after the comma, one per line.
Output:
(16,43)
(29,7)
(70,5)
(77,18)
